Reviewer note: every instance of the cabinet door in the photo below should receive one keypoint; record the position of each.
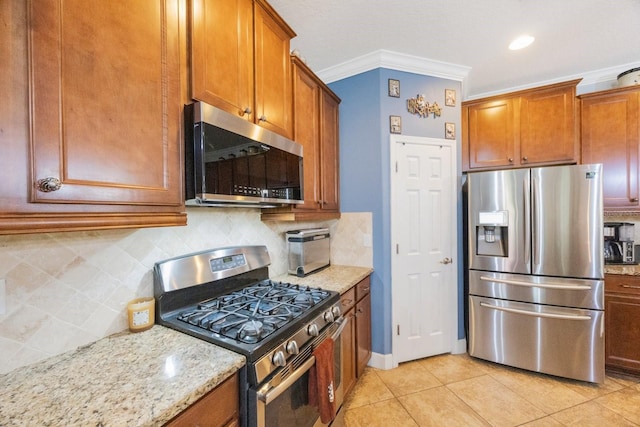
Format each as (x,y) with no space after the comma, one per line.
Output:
(306,101)
(105,102)
(363,333)
(218,408)
(491,137)
(272,70)
(611,136)
(315,117)
(548,126)
(622,326)
(222,54)
(329,166)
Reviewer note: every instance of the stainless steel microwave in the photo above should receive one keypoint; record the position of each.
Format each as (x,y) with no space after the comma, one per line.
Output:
(232,162)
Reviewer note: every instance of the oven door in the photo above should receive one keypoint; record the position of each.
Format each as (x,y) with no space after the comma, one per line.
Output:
(284,400)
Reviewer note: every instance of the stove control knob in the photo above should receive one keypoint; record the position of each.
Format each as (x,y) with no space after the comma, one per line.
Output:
(328,316)
(292,347)
(312,330)
(279,359)
(336,312)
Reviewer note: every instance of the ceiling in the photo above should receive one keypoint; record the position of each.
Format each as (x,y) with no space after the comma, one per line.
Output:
(574,38)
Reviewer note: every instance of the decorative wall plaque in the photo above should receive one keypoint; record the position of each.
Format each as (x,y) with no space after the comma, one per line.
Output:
(422,108)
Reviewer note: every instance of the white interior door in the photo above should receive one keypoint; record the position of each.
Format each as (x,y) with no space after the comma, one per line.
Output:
(424,235)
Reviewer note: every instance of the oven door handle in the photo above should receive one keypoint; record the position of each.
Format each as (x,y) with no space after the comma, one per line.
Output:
(268,395)
(342,323)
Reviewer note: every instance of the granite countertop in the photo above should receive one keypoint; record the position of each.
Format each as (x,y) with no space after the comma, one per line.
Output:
(629,270)
(127,379)
(133,379)
(338,278)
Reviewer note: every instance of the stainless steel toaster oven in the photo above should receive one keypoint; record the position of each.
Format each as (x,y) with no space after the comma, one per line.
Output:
(309,250)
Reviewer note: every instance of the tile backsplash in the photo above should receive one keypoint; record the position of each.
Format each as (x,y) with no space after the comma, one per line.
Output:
(64,290)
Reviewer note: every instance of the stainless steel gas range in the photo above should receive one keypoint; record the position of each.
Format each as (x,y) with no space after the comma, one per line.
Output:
(224,296)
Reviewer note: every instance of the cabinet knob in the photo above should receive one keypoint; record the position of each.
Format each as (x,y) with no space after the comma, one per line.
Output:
(263,118)
(49,184)
(525,158)
(634,199)
(510,159)
(246,111)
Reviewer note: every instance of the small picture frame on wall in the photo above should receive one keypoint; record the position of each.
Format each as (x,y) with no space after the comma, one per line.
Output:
(395,124)
(450,97)
(394,88)
(450,130)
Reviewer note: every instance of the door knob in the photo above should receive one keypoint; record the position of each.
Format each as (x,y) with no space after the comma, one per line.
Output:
(446,261)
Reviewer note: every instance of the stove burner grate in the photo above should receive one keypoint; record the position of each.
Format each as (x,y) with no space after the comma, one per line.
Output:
(251,314)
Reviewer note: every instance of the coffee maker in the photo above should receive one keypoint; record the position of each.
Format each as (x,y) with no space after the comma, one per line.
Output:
(618,243)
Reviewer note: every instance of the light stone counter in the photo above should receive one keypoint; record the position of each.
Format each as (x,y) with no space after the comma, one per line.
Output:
(338,278)
(128,379)
(629,270)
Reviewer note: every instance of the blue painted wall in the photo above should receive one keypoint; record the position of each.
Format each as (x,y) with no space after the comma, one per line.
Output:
(364,166)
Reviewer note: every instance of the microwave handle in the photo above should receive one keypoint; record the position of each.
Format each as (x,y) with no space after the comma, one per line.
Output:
(270,395)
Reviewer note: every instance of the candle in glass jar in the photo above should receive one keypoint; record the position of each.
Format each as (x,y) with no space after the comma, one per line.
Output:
(141,313)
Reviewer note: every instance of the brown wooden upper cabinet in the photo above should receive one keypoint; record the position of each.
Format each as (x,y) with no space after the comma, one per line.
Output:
(91,129)
(526,128)
(316,128)
(611,136)
(240,61)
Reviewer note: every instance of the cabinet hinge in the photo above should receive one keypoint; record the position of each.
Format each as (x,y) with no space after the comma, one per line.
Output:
(398,329)
(396,167)
(397,248)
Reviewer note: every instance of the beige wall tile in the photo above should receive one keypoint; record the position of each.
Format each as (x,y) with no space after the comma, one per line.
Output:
(72,288)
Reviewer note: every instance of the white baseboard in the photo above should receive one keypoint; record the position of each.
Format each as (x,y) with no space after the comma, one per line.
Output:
(460,347)
(381,361)
(385,361)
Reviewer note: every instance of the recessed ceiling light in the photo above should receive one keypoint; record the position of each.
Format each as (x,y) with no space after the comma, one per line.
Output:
(521,42)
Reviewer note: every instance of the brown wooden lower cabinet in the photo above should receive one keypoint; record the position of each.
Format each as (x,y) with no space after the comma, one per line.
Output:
(622,323)
(356,337)
(218,408)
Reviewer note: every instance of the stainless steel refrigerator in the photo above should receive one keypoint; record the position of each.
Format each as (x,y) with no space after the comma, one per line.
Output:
(536,288)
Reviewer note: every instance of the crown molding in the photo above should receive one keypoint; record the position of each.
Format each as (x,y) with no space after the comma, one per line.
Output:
(395,61)
(606,77)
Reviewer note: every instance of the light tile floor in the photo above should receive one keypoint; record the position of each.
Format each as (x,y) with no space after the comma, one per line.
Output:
(458,390)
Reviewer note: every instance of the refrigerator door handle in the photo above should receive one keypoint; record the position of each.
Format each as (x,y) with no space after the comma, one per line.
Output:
(527,221)
(534,222)
(536,285)
(537,314)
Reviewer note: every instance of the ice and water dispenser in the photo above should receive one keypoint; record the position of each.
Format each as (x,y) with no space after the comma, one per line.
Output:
(492,233)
